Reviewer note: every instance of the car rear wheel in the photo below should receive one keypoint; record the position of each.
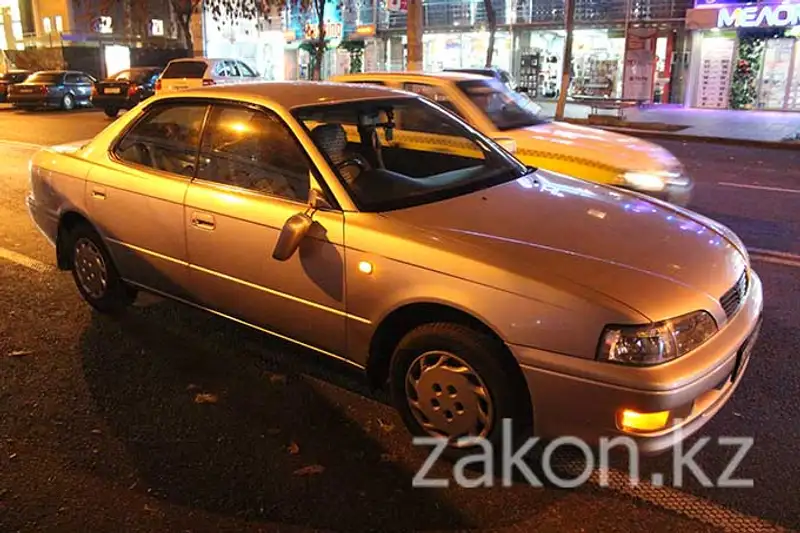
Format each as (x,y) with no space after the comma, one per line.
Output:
(449,381)
(68,102)
(111,112)
(94,272)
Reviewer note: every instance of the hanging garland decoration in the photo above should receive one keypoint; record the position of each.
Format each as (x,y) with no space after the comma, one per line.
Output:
(749,57)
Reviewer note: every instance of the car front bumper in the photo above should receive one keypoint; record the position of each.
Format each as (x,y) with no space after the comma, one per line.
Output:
(583,398)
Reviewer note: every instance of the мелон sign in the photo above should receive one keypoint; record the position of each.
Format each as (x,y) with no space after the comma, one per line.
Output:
(778,15)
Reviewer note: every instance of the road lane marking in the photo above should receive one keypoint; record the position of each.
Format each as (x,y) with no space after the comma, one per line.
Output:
(758,187)
(774,257)
(32,146)
(24,260)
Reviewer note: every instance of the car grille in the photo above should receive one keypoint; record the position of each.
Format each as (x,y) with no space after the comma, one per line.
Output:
(732,299)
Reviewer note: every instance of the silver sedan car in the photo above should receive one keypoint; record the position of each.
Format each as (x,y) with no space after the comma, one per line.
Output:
(477,288)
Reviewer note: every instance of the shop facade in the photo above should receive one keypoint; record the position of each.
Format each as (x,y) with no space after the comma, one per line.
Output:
(606,62)
(621,49)
(744,55)
(350,36)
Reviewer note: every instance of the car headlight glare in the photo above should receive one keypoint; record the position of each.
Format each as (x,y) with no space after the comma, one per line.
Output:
(657,343)
(644,181)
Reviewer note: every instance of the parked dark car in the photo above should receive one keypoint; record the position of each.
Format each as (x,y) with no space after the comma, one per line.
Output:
(10,78)
(125,89)
(64,89)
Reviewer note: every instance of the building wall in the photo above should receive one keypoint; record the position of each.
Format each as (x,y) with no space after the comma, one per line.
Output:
(52,9)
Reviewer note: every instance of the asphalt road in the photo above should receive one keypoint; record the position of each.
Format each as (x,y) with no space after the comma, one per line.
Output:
(101,429)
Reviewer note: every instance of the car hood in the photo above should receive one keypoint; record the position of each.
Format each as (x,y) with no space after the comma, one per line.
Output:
(646,254)
(606,147)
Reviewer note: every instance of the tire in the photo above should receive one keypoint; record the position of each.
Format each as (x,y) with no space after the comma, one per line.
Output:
(68,102)
(483,357)
(111,112)
(94,272)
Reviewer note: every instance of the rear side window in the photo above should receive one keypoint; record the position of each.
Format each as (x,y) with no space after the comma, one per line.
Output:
(185,69)
(167,139)
(46,77)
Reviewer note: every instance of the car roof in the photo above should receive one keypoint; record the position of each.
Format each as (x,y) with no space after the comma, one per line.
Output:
(447,75)
(201,59)
(291,94)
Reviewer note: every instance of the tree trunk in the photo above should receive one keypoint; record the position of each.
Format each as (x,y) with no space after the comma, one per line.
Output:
(319,46)
(566,71)
(414,34)
(183,13)
(491,18)
(185,22)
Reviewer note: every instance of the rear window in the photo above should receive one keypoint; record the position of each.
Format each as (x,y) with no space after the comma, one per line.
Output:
(141,76)
(122,76)
(13,77)
(46,77)
(185,69)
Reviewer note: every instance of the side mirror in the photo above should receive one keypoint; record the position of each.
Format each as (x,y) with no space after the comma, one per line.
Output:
(292,234)
(508,144)
(296,227)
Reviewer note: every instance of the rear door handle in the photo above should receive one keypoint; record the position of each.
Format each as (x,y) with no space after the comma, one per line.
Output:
(203,221)
(99,193)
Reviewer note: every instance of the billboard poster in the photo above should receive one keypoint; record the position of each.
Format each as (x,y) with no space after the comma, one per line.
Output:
(640,64)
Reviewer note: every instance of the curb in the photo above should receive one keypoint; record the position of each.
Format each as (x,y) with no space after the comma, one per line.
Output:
(751,143)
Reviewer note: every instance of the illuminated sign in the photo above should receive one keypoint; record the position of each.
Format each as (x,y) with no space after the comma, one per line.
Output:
(781,15)
(333,30)
(157,27)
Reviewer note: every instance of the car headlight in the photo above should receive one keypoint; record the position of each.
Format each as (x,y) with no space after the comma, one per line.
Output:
(657,343)
(654,181)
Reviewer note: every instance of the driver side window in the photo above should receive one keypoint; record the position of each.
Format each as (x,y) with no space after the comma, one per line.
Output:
(166,139)
(252,149)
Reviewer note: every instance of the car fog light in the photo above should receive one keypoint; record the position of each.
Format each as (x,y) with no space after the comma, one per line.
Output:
(631,420)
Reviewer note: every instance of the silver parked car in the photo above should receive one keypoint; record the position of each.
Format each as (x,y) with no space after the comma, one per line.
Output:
(478,288)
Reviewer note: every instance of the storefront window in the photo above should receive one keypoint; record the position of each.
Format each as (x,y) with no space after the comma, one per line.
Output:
(464,50)
(596,68)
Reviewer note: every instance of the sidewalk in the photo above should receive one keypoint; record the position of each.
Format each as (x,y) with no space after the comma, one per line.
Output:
(754,126)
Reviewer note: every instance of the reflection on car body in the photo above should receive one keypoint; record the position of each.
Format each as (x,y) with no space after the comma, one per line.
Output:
(478,288)
(514,121)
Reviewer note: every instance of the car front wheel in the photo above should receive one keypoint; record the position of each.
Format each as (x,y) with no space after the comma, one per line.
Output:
(449,381)
(95,275)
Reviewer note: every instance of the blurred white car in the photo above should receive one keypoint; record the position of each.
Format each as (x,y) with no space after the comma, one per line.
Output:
(191,73)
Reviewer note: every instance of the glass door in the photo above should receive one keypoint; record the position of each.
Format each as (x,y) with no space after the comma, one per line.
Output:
(793,99)
(775,73)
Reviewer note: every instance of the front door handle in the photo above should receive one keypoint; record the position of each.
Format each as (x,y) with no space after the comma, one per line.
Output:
(203,221)
(99,193)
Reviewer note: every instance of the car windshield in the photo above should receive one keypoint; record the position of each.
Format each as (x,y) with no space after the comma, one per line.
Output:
(45,77)
(505,108)
(401,152)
